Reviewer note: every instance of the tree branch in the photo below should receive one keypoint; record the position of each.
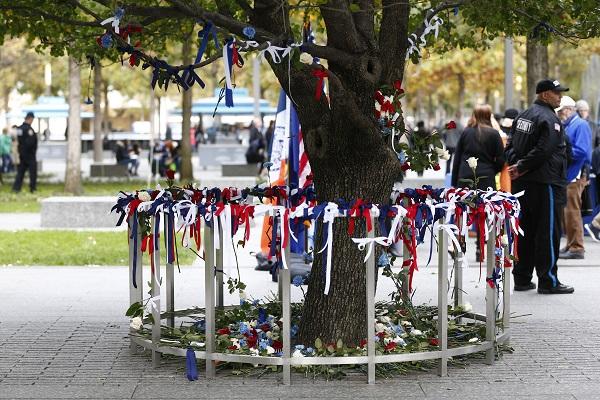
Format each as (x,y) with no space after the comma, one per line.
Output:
(393,34)
(364,20)
(341,30)
(329,53)
(31,12)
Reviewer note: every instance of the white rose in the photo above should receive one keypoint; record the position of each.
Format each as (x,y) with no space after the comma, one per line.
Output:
(254,352)
(136,323)
(377,106)
(398,340)
(385,319)
(253,323)
(298,354)
(472,161)
(504,240)
(467,307)
(270,350)
(416,332)
(144,196)
(197,344)
(269,334)
(442,153)
(379,327)
(306,58)
(473,340)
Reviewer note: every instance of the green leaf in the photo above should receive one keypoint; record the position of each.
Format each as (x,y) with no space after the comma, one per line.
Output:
(133,309)
(354,7)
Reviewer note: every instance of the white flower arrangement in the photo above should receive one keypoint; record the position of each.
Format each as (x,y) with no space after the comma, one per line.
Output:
(136,323)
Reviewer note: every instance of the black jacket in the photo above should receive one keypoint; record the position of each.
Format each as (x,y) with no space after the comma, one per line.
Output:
(537,144)
(486,145)
(27,141)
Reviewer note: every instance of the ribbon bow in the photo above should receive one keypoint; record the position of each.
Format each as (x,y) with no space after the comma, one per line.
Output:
(115,20)
(364,242)
(320,74)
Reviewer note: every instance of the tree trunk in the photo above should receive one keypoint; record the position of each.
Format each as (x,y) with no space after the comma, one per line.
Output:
(187,172)
(537,66)
(73,171)
(98,155)
(346,150)
(105,119)
(461,94)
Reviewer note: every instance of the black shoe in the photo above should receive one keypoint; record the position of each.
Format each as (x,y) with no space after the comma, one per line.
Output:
(524,288)
(572,255)
(558,289)
(593,232)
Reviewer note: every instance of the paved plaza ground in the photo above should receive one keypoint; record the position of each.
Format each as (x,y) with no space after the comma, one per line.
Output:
(63,335)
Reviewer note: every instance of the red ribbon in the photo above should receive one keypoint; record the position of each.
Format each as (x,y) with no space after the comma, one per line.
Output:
(320,74)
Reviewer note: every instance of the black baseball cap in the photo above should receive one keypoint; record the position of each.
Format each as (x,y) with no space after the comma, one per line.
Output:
(511,113)
(549,84)
(29,115)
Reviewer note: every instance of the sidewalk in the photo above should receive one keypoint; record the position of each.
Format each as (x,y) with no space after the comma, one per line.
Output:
(63,335)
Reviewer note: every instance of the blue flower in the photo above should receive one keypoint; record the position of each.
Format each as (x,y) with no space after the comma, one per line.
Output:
(263,344)
(402,157)
(243,328)
(119,13)
(249,31)
(106,40)
(383,260)
(200,325)
(255,302)
(262,315)
(310,350)
(397,329)
(298,281)
(299,347)
(376,338)
(278,354)
(294,330)
(243,342)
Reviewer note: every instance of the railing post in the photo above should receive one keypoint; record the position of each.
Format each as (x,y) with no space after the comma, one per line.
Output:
(443,301)
(209,297)
(284,281)
(155,304)
(219,271)
(506,297)
(135,294)
(490,298)
(370,282)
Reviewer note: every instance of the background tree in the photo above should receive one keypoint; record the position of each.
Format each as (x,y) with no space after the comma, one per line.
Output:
(365,50)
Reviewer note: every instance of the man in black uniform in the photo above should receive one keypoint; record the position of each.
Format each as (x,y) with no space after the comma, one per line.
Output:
(537,155)
(27,146)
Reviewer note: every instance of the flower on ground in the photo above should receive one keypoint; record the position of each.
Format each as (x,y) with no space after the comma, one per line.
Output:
(270,350)
(472,161)
(390,346)
(136,323)
(416,332)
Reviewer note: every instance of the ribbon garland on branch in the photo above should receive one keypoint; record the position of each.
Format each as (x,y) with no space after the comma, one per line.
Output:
(410,213)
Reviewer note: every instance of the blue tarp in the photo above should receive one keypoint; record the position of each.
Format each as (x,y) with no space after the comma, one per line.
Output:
(243,105)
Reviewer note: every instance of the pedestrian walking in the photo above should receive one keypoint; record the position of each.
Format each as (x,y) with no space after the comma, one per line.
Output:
(481,141)
(27,147)
(537,155)
(579,134)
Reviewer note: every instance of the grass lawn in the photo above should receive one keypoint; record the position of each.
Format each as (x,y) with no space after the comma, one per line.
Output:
(56,247)
(28,202)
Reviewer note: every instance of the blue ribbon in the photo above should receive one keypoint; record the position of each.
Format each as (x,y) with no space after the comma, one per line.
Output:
(228,91)
(134,237)
(191,370)
(204,34)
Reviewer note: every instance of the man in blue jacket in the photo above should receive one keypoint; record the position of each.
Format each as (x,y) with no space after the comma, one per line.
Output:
(580,136)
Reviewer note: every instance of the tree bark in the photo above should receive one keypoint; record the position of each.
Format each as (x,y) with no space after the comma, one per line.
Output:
(537,66)
(187,172)
(98,154)
(461,94)
(106,117)
(73,171)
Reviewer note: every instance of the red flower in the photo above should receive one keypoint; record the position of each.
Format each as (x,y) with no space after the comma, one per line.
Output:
(434,342)
(390,346)
(398,84)
(436,167)
(363,342)
(265,327)
(380,334)
(224,331)
(232,347)
(451,125)
(251,341)
(405,166)
(277,345)
(170,174)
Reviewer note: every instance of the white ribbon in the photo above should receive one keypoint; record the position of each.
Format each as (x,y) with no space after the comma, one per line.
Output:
(432,24)
(116,20)
(274,52)
(227,63)
(370,242)
(153,304)
(331,211)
